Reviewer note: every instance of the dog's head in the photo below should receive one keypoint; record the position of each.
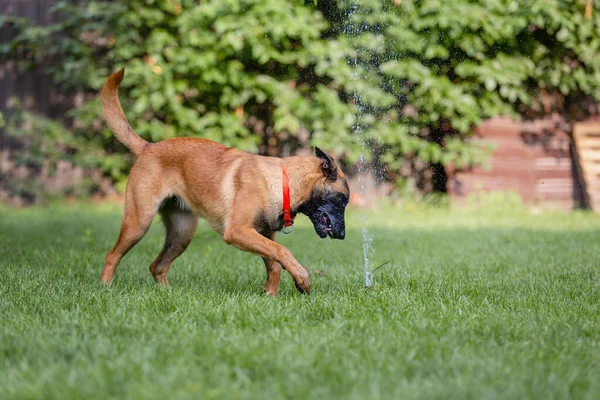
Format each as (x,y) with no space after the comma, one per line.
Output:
(328,199)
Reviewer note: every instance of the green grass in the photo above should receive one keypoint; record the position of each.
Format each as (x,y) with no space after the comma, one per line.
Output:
(471,306)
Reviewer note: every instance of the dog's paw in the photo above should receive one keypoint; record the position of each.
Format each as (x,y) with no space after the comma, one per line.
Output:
(303,282)
(304,288)
(106,281)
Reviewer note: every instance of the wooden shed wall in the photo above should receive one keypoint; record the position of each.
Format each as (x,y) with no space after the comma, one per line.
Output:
(532,158)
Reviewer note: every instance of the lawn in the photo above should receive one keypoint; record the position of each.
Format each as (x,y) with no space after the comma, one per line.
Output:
(472,305)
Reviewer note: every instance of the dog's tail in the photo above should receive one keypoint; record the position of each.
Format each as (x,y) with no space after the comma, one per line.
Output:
(115,117)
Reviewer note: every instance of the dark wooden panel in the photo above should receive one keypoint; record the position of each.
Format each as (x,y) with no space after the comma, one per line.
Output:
(587,144)
(33,88)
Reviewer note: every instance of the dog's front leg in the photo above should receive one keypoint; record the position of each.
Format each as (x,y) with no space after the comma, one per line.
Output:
(248,239)
(273,271)
(273,277)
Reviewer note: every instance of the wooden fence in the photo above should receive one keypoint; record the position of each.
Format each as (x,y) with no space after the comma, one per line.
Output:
(536,159)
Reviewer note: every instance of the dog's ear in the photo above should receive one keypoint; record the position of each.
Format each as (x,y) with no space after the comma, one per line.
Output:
(329,167)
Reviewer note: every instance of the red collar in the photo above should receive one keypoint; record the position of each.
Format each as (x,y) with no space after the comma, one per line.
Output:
(288,220)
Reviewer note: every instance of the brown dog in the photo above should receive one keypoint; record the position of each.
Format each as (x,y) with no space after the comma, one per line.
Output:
(239,194)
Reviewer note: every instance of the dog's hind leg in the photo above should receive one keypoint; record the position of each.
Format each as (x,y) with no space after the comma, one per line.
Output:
(136,222)
(181,225)
(273,273)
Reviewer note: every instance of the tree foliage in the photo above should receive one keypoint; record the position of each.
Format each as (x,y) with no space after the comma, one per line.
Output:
(430,70)
(410,79)
(251,74)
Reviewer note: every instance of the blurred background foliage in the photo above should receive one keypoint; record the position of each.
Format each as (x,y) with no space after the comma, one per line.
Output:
(409,79)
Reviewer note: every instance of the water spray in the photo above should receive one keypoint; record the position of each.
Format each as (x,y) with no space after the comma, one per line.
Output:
(363,167)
